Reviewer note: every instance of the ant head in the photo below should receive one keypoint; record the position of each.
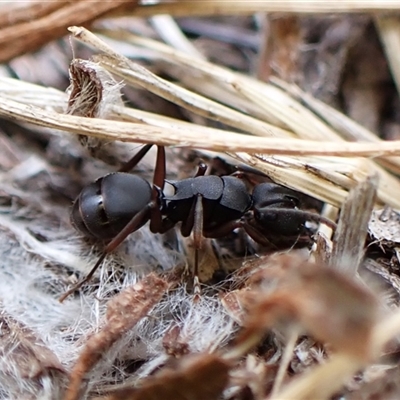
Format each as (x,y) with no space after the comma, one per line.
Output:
(272,195)
(275,209)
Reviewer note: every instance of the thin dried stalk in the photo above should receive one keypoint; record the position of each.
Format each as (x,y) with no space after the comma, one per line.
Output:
(285,361)
(222,7)
(389,30)
(326,379)
(170,32)
(323,381)
(137,75)
(30,35)
(351,233)
(322,179)
(330,173)
(347,128)
(261,100)
(15,13)
(227,141)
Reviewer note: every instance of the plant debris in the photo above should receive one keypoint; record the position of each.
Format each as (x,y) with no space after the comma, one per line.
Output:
(303,94)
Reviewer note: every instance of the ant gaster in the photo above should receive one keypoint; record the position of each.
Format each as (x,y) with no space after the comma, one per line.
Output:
(209,206)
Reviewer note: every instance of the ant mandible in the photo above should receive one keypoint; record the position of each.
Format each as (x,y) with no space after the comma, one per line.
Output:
(117,204)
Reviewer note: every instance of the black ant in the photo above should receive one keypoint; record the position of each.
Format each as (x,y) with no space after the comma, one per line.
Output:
(209,206)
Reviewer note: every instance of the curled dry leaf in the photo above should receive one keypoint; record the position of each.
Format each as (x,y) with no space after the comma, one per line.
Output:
(195,377)
(91,93)
(124,311)
(92,90)
(325,303)
(86,90)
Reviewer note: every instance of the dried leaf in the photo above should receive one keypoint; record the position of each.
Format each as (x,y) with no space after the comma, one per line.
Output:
(326,304)
(86,90)
(124,311)
(196,377)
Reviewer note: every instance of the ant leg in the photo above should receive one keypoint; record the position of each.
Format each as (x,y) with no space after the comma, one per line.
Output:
(160,168)
(194,223)
(197,240)
(87,278)
(158,185)
(136,158)
(190,222)
(134,224)
(223,230)
(256,235)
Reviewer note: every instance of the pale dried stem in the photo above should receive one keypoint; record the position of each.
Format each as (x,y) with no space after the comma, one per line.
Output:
(347,128)
(389,30)
(326,379)
(15,13)
(323,381)
(222,7)
(352,229)
(29,35)
(285,361)
(130,132)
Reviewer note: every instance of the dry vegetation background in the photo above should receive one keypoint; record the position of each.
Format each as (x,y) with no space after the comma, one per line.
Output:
(307,92)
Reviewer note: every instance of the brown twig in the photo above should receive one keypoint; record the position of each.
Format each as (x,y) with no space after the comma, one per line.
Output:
(49,23)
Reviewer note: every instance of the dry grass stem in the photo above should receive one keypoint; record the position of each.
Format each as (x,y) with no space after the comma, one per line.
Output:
(251,90)
(347,128)
(221,7)
(285,361)
(170,32)
(30,35)
(130,132)
(323,381)
(352,229)
(389,30)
